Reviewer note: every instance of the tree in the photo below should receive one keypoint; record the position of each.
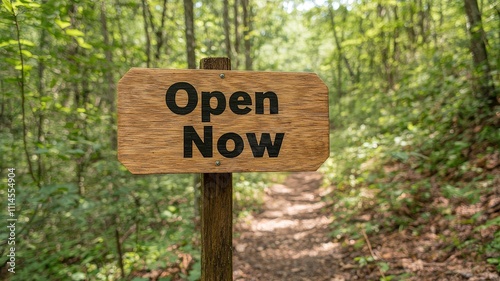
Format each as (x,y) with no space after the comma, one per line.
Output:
(479,53)
(402,70)
(237,36)
(247,28)
(190,39)
(227,34)
(146,32)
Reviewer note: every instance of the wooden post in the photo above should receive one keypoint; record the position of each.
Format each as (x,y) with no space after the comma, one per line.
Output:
(216,211)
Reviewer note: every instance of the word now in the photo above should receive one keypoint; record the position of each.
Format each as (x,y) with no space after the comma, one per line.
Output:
(205,146)
(238,101)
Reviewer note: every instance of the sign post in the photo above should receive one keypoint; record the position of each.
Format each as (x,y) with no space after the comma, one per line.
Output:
(215,121)
(216,211)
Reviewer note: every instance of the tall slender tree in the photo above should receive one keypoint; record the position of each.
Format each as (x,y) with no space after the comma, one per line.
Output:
(479,52)
(189,31)
(236,23)
(146,32)
(246,33)
(227,34)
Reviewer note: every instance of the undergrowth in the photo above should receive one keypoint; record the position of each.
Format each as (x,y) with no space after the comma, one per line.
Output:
(419,166)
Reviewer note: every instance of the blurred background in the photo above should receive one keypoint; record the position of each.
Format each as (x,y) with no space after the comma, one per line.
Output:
(414,124)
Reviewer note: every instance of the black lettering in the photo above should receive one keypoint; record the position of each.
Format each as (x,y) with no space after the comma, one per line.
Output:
(235,102)
(273,150)
(190,137)
(259,102)
(222,145)
(172,93)
(206,109)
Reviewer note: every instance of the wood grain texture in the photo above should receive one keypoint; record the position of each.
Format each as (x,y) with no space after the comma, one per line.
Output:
(216,212)
(217,227)
(150,135)
(215,63)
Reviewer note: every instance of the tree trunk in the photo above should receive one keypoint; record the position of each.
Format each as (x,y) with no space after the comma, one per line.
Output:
(190,43)
(110,82)
(120,30)
(479,52)
(160,33)
(146,31)
(338,43)
(41,92)
(246,34)
(235,61)
(227,35)
(109,58)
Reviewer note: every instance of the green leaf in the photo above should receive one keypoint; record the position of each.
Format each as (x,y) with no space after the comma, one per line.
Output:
(77,152)
(7,43)
(74,32)
(489,223)
(8,6)
(78,276)
(195,272)
(493,260)
(400,155)
(30,5)
(384,267)
(27,43)
(27,53)
(26,67)
(41,151)
(83,44)
(46,99)
(14,42)
(62,24)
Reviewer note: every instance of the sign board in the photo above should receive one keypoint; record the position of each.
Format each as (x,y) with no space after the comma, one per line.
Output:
(221,121)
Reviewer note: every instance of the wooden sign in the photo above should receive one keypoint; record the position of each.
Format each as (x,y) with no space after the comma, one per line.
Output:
(221,121)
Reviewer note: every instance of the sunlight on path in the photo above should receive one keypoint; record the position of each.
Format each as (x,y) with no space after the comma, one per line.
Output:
(289,239)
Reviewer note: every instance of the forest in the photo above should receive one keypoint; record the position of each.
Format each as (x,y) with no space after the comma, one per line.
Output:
(414,139)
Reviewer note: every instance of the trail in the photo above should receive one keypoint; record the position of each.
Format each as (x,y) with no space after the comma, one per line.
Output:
(289,240)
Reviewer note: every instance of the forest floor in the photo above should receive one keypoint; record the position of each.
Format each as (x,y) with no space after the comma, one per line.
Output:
(289,240)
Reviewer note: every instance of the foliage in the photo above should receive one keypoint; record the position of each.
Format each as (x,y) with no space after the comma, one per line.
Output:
(409,128)
(81,215)
(413,142)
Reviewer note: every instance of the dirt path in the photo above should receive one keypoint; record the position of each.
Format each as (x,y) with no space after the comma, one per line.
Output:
(289,240)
